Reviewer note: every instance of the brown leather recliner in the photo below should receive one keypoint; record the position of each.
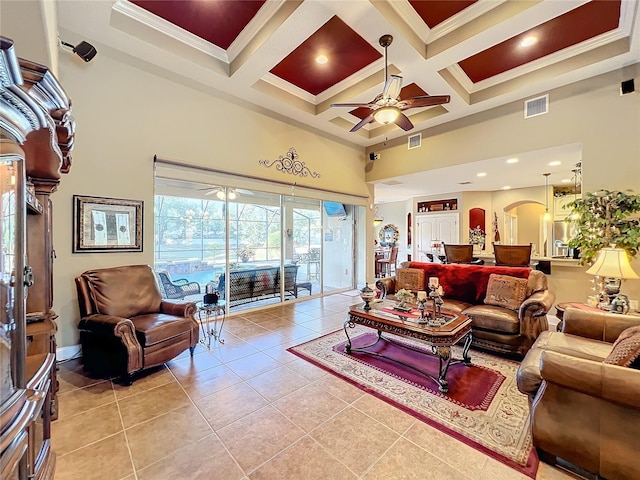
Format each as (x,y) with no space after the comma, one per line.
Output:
(583,410)
(125,324)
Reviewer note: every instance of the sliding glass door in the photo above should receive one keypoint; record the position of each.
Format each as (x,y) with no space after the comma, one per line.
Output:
(303,242)
(255,248)
(338,247)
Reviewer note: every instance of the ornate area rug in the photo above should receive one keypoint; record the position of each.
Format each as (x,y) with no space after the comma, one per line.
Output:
(483,408)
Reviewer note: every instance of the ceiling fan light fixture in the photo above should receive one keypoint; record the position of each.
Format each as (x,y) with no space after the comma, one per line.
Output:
(220,194)
(232,195)
(386,115)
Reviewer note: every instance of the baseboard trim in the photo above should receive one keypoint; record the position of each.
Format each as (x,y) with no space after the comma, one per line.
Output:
(65,353)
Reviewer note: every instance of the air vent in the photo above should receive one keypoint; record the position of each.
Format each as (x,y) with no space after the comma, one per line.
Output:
(464,183)
(393,183)
(536,106)
(414,141)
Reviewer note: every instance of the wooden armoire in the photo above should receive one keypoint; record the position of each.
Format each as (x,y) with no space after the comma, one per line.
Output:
(36,138)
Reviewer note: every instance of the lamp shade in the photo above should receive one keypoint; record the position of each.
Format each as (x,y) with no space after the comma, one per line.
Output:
(386,115)
(614,263)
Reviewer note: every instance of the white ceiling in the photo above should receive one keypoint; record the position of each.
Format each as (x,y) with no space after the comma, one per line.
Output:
(499,174)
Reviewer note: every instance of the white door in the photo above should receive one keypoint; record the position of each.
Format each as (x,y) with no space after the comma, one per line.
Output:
(448,231)
(435,227)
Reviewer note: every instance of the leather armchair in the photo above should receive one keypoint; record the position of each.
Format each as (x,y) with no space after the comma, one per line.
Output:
(125,324)
(582,410)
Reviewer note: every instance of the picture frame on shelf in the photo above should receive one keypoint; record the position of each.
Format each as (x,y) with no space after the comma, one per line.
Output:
(102,224)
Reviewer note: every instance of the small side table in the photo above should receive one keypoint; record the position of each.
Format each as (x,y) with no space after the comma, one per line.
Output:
(208,312)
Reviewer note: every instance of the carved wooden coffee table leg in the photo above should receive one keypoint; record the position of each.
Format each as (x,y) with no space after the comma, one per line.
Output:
(444,356)
(465,350)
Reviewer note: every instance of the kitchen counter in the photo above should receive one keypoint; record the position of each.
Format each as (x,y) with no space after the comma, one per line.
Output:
(559,261)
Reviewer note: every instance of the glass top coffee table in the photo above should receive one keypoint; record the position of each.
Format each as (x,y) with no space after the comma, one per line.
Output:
(457,327)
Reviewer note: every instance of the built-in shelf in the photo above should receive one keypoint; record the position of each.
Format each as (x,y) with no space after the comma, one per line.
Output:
(438,205)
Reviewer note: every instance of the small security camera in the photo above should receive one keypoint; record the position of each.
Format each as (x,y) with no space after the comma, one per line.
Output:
(374,156)
(84,50)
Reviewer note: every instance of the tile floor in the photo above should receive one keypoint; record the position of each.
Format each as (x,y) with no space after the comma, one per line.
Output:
(248,409)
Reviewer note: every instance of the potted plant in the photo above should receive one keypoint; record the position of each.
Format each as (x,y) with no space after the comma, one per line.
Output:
(477,237)
(604,219)
(245,254)
(403,296)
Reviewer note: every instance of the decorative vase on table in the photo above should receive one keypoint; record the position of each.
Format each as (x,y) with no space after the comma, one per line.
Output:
(367,294)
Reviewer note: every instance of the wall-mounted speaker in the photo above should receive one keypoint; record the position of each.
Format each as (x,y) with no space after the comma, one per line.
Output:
(628,86)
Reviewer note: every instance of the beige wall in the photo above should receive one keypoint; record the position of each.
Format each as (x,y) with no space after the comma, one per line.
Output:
(124,116)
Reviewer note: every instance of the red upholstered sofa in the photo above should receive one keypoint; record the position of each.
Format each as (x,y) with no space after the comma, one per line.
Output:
(506,330)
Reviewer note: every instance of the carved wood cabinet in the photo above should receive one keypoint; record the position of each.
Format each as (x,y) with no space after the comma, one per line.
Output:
(36,138)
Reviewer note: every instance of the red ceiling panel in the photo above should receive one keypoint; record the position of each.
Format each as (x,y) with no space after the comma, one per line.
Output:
(434,12)
(217,21)
(347,52)
(578,25)
(411,90)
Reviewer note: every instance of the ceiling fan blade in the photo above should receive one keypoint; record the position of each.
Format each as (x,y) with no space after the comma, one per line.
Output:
(366,105)
(424,101)
(403,122)
(362,123)
(392,87)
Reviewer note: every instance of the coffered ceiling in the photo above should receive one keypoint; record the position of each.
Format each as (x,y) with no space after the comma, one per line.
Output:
(266,52)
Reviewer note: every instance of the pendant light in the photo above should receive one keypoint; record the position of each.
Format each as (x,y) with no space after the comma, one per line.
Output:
(547,215)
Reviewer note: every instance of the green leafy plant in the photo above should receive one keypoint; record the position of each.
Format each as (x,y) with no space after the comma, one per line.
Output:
(246,253)
(603,219)
(403,295)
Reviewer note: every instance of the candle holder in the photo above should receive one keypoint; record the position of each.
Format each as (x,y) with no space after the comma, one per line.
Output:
(435,294)
(422,307)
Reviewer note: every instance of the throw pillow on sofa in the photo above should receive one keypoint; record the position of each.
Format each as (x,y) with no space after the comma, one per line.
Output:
(626,349)
(506,291)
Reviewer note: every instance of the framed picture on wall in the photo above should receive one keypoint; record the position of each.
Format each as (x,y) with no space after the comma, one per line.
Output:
(107,224)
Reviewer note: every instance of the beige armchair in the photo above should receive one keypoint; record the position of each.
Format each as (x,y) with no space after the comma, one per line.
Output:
(126,326)
(583,410)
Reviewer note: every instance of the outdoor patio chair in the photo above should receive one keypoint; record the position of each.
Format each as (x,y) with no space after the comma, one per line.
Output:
(176,289)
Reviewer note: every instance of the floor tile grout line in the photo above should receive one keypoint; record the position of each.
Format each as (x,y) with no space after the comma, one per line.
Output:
(213,431)
(375,462)
(126,437)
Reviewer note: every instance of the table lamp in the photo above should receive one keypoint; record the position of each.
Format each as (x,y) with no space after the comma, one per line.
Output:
(613,266)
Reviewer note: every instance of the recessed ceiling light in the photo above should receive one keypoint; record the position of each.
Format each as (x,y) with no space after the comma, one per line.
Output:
(322,59)
(565,180)
(513,160)
(481,174)
(506,187)
(528,41)
(555,163)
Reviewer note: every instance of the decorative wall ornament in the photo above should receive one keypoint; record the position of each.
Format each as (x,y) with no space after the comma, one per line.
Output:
(290,164)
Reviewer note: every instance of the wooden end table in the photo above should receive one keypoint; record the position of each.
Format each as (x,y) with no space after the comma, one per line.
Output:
(440,338)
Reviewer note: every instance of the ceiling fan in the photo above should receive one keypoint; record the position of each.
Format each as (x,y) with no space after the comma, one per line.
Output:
(232,193)
(387,107)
